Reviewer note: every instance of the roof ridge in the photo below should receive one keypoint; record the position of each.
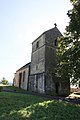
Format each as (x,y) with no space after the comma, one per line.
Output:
(44,33)
(23,66)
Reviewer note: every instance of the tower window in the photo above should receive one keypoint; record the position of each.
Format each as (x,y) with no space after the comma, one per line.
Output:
(55,42)
(37,44)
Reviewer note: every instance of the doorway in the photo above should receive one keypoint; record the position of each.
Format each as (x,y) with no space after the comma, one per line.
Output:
(37,78)
(57,87)
(20,77)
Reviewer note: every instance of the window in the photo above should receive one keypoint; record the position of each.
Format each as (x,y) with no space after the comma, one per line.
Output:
(37,44)
(23,76)
(55,42)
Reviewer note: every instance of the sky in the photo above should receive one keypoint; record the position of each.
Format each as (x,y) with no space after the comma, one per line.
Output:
(21,22)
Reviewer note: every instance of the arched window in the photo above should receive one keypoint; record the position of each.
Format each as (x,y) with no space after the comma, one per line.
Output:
(37,44)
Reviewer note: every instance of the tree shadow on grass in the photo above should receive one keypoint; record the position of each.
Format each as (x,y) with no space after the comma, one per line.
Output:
(54,110)
(27,107)
(15,106)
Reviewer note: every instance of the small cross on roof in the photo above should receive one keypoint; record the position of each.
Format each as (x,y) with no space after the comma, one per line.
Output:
(55,24)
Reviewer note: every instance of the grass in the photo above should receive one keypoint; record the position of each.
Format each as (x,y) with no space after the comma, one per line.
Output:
(15,106)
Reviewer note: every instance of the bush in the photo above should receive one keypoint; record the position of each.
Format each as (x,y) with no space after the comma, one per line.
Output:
(5,82)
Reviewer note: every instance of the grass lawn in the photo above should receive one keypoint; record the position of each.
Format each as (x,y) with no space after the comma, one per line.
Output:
(15,106)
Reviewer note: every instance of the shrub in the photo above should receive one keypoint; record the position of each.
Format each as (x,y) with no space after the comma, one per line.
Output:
(4,81)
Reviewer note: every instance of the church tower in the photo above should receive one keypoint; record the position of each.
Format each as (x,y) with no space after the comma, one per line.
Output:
(42,72)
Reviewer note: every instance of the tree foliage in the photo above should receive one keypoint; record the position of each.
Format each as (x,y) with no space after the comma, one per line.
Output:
(68,52)
(4,81)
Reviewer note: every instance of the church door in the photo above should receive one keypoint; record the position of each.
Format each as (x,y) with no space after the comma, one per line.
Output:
(20,77)
(37,78)
(57,87)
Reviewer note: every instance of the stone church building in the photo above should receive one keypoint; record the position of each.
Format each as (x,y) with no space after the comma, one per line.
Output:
(39,75)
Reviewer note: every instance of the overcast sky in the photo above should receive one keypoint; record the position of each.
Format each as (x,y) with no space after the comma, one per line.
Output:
(21,22)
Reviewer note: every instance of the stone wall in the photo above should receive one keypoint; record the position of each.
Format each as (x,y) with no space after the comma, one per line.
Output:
(16,80)
(50,37)
(37,83)
(41,40)
(38,56)
(64,88)
(50,59)
(49,84)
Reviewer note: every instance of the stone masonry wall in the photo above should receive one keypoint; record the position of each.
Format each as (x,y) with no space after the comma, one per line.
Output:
(38,56)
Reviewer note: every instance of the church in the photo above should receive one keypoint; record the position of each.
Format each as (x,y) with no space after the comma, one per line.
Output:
(39,75)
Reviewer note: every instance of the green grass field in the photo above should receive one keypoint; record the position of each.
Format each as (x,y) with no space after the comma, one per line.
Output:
(15,106)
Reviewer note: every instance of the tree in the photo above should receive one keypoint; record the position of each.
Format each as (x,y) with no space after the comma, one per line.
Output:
(4,81)
(68,52)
